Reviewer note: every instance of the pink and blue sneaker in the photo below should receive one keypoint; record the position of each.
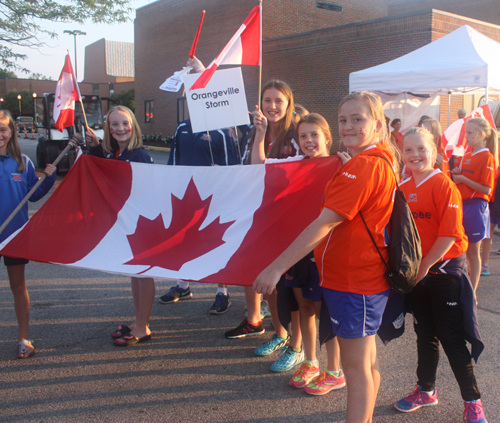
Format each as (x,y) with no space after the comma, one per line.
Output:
(474,412)
(415,400)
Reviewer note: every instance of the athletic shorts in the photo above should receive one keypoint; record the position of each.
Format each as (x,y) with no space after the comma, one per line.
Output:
(495,219)
(310,287)
(312,290)
(11,261)
(476,220)
(355,315)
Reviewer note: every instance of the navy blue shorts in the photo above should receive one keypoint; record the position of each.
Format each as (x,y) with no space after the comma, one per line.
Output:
(495,219)
(11,261)
(476,220)
(355,315)
(312,290)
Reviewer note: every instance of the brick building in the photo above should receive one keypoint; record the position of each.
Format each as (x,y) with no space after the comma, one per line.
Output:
(109,69)
(313,45)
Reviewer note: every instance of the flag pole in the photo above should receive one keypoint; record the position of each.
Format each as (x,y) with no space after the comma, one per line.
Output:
(73,142)
(80,97)
(260,64)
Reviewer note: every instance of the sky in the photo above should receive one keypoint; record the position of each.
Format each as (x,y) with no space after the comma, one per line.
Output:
(49,60)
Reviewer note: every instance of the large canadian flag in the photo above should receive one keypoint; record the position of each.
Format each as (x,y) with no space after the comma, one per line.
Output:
(245,48)
(221,224)
(453,139)
(67,92)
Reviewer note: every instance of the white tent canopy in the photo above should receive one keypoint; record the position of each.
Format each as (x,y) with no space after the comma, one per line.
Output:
(464,61)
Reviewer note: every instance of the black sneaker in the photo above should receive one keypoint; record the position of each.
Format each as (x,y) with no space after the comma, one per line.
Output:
(221,304)
(245,329)
(175,294)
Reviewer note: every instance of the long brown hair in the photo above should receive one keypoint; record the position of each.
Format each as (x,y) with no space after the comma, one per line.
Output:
(285,124)
(110,144)
(13,147)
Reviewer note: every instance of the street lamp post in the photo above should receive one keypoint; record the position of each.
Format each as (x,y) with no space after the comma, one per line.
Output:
(19,98)
(34,108)
(75,32)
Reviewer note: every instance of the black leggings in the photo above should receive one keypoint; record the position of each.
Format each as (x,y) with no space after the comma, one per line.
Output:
(439,317)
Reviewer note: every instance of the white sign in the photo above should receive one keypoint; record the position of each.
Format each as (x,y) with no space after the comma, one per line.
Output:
(174,83)
(221,104)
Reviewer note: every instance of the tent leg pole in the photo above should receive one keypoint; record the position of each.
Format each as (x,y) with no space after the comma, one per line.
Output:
(449,107)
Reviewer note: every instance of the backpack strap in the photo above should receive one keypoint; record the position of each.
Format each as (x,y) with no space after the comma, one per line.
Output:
(374,243)
(366,226)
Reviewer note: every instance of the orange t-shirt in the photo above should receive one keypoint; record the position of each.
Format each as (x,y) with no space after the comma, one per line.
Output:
(436,205)
(346,258)
(478,167)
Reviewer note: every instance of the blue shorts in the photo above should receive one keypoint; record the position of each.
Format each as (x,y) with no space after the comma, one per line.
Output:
(308,284)
(355,315)
(476,219)
(495,219)
(312,290)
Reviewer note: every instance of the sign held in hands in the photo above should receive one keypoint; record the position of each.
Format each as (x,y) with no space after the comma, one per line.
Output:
(221,104)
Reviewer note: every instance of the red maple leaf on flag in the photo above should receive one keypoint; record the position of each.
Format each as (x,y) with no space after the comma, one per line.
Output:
(169,248)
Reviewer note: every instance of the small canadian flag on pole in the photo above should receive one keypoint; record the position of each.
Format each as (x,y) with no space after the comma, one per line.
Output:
(245,48)
(67,92)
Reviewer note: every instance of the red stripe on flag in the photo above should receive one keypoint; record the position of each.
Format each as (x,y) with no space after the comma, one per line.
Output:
(195,41)
(65,119)
(283,200)
(204,78)
(250,38)
(78,214)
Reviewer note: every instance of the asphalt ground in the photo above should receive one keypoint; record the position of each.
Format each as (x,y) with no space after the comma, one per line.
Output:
(189,372)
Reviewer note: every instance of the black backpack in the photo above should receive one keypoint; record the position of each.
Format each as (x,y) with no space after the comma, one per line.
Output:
(405,252)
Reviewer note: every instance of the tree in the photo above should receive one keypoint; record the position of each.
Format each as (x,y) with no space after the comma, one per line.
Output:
(4,74)
(11,102)
(127,98)
(39,76)
(21,22)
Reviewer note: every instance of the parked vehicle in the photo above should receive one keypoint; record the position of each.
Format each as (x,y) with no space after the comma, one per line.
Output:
(52,142)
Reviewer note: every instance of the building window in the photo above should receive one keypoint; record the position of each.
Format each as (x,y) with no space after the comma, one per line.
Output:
(149,108)
(329,6)
(95,88)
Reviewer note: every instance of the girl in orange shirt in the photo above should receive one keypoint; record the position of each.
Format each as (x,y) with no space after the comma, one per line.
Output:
(351,271)
(475,177)
(439,301)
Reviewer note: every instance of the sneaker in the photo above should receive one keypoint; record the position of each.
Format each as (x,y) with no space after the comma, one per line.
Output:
(485,270)
(415,400)
(175,294)
(498,252)
(304,375)
(245,329)
(264,310)
(325,383)
(288,360)
(274,344)
(474,412)
(221,304)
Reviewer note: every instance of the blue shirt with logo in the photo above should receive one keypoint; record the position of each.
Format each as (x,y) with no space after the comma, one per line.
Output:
(14,186)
